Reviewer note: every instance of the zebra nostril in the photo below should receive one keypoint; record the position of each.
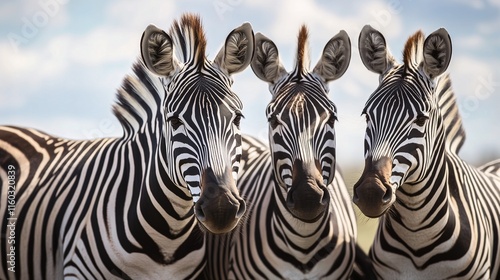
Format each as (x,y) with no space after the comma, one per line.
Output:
(198,212)
(387,196)
(325,199)
(242,208)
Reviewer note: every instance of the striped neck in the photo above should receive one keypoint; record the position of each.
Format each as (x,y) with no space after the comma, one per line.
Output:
(164,211)
(425,206)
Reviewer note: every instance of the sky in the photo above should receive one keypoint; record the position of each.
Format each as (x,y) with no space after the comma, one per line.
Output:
(61,61)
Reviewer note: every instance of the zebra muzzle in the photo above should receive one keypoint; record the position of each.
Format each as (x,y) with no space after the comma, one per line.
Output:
(307,198)
(220,206)
(220,211)
(308,201)
(373,193)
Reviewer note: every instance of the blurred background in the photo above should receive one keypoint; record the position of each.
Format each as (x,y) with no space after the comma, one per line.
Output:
(61,62)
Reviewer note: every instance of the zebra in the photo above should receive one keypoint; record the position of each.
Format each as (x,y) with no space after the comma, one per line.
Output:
(300,223)
(439,216)
(136,206)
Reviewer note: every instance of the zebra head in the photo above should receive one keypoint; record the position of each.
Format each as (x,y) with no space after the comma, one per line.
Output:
(201,115)
(301,120)
(404,122)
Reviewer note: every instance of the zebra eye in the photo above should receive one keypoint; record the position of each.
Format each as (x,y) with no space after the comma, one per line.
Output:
(332,120)
(420,120)
(273,122)
(237,119)
(175,122)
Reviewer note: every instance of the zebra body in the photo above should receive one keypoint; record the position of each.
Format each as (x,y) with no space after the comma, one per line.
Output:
(118,208)
(300,223)
(67,208)
(439,216)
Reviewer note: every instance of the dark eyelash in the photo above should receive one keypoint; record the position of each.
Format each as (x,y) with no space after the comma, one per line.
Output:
(237,119)
(273,121)
(332,120)
(175,122)
(421,120)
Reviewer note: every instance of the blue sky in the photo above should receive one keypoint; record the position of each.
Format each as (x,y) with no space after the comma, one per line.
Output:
(62,60)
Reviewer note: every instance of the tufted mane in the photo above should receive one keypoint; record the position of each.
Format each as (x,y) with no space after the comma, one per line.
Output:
(189,39)
(138,99)
(302,51)
(413,51)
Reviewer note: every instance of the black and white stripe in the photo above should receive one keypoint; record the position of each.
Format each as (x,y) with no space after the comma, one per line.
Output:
(439,216)
(300,223)
(123,207)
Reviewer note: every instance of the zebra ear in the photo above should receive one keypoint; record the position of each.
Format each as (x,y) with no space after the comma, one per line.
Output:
(335,58)
(238,50)
(157,51)
(373,50)
(266,63)
(437,53)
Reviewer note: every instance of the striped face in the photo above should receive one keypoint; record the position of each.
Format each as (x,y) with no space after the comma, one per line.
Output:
(404,124)
(398,126)
(201,116)
(301,130)
(203,140)
(301,121)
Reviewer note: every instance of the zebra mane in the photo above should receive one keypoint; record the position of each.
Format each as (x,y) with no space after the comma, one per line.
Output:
(138,99)
(454,130)
(189,39)
(302,63)
(413,51)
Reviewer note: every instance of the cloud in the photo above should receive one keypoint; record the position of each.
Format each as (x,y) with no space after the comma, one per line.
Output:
(475,4)
(24,71)
(489,27)
(99,47)
(466,73)
(59,58)
(495,3)
(138,14)
(474,42)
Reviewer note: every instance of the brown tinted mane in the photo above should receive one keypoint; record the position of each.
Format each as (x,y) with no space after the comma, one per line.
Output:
(302,59)
(412,52)
(191,37)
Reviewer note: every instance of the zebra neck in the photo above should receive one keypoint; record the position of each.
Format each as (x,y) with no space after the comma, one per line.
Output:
(424,210)
(161,187)
(164,211)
